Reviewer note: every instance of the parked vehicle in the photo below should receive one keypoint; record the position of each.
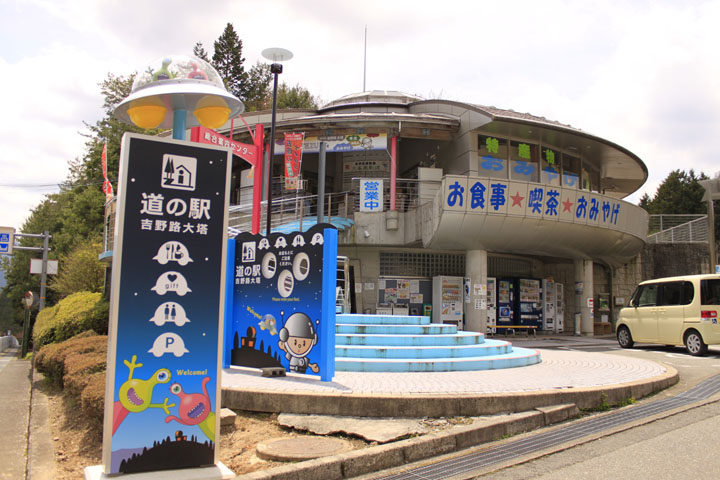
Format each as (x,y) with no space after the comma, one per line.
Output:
(673,311)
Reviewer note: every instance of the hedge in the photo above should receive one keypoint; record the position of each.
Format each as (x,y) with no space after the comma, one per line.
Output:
(72,315)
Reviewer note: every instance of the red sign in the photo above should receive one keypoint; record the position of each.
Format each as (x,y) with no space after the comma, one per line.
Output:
(107,186)
(243,150)
(293,158)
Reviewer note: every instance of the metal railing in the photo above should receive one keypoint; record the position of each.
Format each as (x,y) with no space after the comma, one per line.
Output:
(678,229)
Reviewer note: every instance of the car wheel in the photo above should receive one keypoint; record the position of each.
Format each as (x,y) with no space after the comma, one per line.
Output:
(694,344)
(624,337)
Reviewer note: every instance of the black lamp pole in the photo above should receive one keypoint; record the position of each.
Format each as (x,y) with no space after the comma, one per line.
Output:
(275,69)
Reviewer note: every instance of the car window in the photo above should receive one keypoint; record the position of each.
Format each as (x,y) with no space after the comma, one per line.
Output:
(648,295)
(688,293)
(672,293)
(710,292)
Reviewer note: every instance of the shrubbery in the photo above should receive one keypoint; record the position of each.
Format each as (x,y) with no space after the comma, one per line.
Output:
(78,367)
(74,314)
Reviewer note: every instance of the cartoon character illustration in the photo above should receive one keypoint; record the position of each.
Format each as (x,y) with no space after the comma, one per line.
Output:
(297,338)
(135,394)
(196,73)
(163,73)
(194,409)
(268,323)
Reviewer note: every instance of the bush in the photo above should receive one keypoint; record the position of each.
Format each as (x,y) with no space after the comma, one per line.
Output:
(72,315)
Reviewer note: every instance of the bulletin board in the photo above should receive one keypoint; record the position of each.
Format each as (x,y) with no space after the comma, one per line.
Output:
(413,292)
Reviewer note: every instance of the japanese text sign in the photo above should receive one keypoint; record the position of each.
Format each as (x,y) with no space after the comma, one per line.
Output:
(371,195)
(165,332)
(293,159)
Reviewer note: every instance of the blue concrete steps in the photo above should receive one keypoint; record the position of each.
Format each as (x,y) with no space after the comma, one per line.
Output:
(387,343)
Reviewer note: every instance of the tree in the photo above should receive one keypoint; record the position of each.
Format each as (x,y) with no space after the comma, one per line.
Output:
(295,97)
(80,271)
(679,193)
(199,51)
(259,88)
(228,61)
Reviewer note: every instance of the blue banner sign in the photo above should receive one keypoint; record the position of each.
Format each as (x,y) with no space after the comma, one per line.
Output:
(283,313)
(168,284)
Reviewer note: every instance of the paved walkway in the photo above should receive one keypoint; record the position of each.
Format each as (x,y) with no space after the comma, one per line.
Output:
(558,370)
(14,422)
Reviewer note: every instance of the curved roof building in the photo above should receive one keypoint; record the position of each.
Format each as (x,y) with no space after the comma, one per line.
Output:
(430,188)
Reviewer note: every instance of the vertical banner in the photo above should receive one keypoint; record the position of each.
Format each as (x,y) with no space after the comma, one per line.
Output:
(284,301)
(107,186)
(293,159)
(371,195)
(168,284)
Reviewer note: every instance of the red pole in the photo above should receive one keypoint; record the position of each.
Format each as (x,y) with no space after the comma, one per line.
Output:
(258,140)
(393,170)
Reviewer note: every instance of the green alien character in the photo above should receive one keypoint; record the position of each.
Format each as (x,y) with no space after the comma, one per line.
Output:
(135,394)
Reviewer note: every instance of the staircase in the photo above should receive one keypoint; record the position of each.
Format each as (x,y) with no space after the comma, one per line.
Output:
(392,343)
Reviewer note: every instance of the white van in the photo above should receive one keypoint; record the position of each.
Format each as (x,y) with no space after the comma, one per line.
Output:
(673,311)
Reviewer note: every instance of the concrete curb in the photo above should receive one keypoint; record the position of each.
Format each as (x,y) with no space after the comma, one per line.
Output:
(382,457)
(428,405)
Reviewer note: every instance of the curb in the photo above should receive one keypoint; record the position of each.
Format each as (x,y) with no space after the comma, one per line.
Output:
(382,457)
(466,405)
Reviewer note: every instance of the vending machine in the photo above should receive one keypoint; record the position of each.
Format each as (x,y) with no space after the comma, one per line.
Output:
(549,305)
(491,305)
(505,302)
(559,307)
(448,300)
(530,302)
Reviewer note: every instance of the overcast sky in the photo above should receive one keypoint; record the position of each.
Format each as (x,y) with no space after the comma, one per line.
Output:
(643,74)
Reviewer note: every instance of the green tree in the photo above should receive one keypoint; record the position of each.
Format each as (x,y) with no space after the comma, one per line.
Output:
(679,193)
(259,88)
(228,61)
(295,97)
(199,51)
(80,271)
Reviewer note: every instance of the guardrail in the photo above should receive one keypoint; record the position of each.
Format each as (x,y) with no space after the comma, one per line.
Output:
(678,229)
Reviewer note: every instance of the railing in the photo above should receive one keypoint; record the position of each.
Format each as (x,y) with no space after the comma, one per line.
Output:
(678,229)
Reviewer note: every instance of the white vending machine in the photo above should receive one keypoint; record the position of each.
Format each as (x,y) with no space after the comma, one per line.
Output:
(491,306)
(549,305)
(559,307)
(448,300)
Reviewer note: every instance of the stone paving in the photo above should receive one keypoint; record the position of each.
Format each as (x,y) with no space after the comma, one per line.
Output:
(558,370)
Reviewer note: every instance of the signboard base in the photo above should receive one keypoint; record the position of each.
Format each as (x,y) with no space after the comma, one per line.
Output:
(216,472)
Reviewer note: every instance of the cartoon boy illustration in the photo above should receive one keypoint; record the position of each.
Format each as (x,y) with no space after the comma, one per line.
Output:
(297,338)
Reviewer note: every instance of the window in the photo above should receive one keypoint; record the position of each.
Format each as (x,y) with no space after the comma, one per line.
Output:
(676,293)
(647,296)
(524,161)
(710,292)
(550,164)
(571,171)
(492,157)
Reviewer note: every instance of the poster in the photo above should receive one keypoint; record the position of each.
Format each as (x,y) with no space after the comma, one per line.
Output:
(293,159)
(371,286)
(416,298)
(391,295)
(284,302)
(403,290)
(414,286)
(162,387)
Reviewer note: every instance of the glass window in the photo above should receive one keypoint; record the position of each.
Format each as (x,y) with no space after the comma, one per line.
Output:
(492,157)
(550,162)
(688,293)
(648,295)
(570,171)
(524,161)
(672,294)
(710,292)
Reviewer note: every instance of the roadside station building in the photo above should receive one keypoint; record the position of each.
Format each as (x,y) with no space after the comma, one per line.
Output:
(464,209)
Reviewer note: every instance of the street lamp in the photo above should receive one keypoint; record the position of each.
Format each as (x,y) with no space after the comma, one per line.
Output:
(277,55)
(185,85)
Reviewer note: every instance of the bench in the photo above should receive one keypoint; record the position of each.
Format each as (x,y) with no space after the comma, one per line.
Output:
(526,328)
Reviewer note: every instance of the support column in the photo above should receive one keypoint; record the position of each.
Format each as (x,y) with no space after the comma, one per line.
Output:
(584,275)
(476,270)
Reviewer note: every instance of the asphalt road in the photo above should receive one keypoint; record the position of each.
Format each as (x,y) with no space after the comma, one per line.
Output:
(677,446)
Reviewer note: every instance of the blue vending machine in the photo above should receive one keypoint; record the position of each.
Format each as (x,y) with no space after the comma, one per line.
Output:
(505,303)
(529,300)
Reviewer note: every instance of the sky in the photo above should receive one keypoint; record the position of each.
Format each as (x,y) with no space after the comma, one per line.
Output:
(642,74)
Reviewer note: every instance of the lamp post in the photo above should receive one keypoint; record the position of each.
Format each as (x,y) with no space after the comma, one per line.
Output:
(277,55)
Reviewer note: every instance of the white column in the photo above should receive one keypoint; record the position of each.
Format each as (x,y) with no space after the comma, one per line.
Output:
(584,275)
(476,271)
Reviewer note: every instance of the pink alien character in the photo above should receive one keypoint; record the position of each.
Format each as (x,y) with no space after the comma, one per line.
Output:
(195,409)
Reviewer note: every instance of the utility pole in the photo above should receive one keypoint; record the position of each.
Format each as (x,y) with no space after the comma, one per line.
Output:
(45,249)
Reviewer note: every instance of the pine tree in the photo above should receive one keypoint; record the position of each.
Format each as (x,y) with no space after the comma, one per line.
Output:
(199,51)
(228,61)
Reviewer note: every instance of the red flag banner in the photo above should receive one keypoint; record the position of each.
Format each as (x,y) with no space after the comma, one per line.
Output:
(107,186)
(293,159)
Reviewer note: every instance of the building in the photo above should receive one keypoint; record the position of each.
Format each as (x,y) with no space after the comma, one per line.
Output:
(427,188)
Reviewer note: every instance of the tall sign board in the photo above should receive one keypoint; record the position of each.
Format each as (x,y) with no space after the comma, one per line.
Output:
(163,377)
